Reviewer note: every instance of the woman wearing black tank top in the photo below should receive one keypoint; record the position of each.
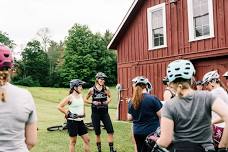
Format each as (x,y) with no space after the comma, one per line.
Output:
(101,97)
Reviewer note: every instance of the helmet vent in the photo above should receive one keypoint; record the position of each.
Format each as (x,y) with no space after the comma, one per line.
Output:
(187,68)
(187,63)
(178,75)
(177,69)
(6,55)
(186,73)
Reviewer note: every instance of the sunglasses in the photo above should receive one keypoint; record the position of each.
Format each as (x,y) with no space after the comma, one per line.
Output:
(101,78)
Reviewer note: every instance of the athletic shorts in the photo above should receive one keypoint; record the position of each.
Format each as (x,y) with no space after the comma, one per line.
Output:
(76,128)
(105,118)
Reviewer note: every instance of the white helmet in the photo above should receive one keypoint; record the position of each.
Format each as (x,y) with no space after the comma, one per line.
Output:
(225,74)
(210,76)
(142,80)
(180,69)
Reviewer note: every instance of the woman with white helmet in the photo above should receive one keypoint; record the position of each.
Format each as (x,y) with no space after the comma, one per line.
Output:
(18,117)
(145,110)
(186,120)
(212,82)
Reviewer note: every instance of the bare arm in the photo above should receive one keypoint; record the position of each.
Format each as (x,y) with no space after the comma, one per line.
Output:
(62,104)
(86,99)
(108,95)
(221,109)
(167,95)
(30,135)
(167,126)
(159,114)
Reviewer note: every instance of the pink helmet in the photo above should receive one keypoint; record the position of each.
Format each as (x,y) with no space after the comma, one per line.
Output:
(6,59)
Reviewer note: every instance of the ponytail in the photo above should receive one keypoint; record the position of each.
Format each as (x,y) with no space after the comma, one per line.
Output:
(138,95)
(4,77)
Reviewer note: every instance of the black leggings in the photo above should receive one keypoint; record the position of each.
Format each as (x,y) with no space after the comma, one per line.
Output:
(140,142)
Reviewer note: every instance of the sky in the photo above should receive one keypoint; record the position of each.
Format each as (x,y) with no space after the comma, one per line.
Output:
(21,19)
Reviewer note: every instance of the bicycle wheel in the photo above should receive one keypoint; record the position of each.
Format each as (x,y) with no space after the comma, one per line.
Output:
(55,128)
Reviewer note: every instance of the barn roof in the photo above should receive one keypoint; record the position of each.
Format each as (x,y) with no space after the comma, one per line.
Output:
(136,5)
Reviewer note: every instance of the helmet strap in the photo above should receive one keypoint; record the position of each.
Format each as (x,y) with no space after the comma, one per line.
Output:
(76,91)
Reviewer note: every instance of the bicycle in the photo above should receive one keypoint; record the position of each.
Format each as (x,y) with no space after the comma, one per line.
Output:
(62,127)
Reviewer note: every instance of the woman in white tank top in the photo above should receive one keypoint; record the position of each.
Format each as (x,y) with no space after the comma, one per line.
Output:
(75,115)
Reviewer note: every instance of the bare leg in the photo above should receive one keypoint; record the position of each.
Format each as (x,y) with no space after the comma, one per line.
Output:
(86,141)
(73,141)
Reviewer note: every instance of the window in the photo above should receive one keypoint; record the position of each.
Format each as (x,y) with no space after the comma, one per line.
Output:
(200,19)
(156,26)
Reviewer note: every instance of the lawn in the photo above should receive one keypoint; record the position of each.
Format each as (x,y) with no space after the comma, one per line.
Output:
(46,100)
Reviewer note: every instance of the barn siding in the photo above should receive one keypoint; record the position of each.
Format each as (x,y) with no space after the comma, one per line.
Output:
(134,58)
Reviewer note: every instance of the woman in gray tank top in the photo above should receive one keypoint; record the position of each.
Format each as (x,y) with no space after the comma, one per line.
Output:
(186,120)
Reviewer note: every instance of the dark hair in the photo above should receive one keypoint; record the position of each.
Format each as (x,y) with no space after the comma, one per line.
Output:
(71,90)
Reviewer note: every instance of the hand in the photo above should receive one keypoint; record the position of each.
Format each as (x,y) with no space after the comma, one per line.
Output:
(67,114)
(106,102)
(96,103)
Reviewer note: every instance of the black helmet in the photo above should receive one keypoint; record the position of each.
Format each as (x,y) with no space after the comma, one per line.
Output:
(165,80)
(76,83)
(100,75)
(199,82)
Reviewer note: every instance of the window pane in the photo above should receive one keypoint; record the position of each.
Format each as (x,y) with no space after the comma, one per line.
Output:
(162,40)
(200,7)
(156,41)
(206,30)
(157,32)
(157,19)
(205,20)
(198,32)
(198,21)
(204,9)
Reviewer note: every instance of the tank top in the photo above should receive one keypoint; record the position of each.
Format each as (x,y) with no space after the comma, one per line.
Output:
(100,96)
(76,106)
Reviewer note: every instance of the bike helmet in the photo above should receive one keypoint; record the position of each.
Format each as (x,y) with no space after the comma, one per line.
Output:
(225,74)
(180,69)
(76,83)
(142,80)
(165,80)
(100,75)
(210,76)
(199,82)
(6,60)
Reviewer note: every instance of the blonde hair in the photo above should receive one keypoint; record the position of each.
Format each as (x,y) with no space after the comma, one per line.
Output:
(138,95)
(4,77)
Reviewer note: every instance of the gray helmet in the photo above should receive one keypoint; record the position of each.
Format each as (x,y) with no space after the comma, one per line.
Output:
(142,80)
(100,75)
(76,83)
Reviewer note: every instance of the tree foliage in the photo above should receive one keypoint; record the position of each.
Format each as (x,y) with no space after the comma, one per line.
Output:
(34,66)
(86,54)
(4,39)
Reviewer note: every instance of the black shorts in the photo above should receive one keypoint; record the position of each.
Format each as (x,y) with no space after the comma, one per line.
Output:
(76,128)
(105,118)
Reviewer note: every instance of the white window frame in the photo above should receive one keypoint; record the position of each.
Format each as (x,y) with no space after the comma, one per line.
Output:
(149,21)
(191,23)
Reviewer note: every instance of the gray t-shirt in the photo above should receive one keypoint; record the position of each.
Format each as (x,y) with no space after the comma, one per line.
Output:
(192,117)
(17,111)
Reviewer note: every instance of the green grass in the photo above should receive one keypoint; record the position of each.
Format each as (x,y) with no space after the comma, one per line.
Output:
(46,100)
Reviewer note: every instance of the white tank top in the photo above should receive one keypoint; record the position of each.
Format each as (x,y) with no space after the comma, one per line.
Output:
(76,106)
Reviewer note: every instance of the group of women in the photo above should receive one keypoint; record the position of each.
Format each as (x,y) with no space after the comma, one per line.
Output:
(185,119)
(75,112)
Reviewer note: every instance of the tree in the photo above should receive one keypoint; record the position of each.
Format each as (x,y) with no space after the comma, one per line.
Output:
(44,34)
(34,64)
(85,54)
(4,39)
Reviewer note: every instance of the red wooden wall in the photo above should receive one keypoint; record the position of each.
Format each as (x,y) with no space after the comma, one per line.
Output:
(134,58)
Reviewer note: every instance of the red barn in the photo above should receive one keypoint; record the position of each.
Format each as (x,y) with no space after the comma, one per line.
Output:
(155,32)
